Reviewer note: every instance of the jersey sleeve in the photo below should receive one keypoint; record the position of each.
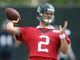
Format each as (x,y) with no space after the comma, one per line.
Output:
(22,34)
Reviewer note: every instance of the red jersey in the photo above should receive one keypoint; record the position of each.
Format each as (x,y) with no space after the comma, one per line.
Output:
(43,43)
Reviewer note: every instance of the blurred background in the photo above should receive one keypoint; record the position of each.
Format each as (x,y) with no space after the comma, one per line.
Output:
(65,10)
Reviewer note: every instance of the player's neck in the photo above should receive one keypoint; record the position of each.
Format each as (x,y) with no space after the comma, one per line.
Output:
(43,25)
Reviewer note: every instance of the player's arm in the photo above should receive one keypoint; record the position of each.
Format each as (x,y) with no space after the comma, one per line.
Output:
(11,28)
(64,46)
(64,43)
(16,42)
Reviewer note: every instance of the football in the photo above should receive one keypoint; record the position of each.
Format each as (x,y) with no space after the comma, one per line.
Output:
(12,14)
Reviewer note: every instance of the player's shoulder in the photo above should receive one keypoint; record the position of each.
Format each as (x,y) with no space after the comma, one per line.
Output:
(31,27)
(55,31)
(28,28)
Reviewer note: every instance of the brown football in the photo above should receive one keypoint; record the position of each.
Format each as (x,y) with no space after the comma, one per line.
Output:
(12,14)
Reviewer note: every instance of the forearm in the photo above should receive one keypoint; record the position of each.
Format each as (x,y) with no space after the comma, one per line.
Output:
(16,42)
(64,46)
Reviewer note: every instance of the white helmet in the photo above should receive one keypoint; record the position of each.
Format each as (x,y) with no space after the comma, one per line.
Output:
(45,8)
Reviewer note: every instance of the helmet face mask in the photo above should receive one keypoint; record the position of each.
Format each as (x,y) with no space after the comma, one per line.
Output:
(45,8)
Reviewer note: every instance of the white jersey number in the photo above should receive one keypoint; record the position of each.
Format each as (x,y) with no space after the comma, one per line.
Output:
(45,43)
(6,40)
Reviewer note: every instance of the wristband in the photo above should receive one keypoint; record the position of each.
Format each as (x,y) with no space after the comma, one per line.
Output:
(62,36)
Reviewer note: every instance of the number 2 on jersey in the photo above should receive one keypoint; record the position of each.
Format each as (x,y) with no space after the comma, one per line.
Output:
(43,43)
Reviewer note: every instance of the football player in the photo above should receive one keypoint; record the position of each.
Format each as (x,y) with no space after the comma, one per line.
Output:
(43,41)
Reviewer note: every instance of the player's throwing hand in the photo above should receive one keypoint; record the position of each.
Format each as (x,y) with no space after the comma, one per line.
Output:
(16,21)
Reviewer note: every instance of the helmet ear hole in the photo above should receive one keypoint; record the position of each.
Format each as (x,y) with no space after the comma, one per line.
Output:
(39,17)
(37,14)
